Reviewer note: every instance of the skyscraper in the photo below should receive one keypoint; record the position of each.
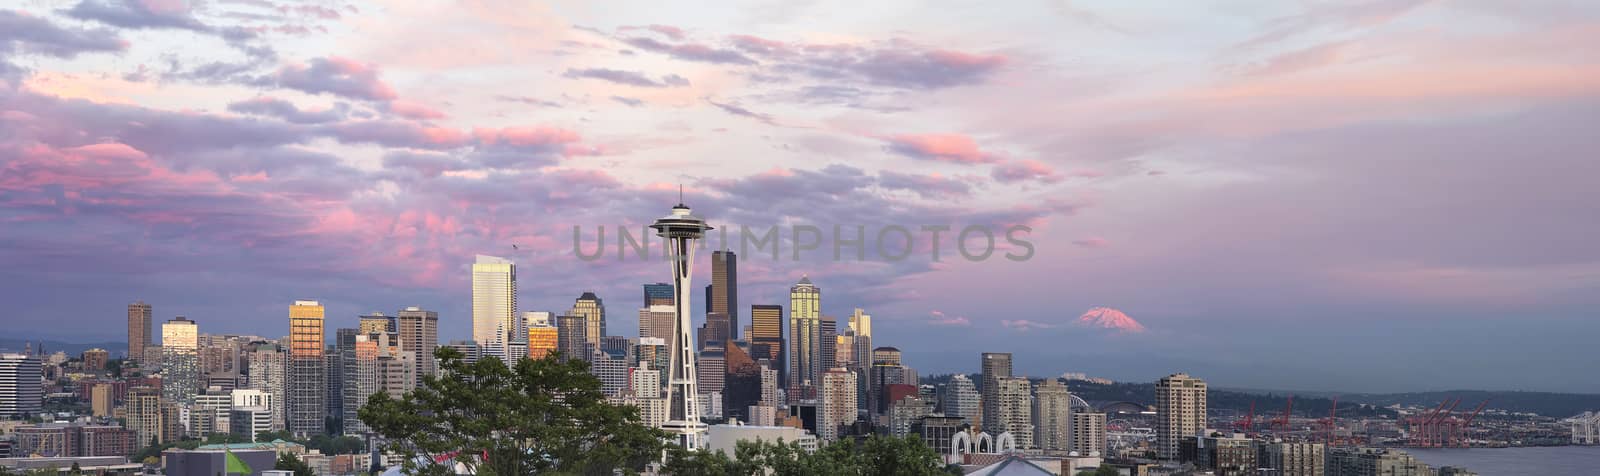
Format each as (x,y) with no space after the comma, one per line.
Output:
(21,393)
(838,403)
(543,337)
(1052,416)
(419,335)
(268,374)
(961,400)
(1014,407)
(861,322)
(307,382)
(1089,433)
(494,304)
(828,342)
(139,318)
(682,230)
(658,294)
(1181,411)
(805,315)
(766,338)
(995,366)
(571,335)
(741,388)
(711,371)
(594,312)
(656,321)
(722,295)
(180,360)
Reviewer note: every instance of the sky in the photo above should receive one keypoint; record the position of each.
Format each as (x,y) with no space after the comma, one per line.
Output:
(1378,195)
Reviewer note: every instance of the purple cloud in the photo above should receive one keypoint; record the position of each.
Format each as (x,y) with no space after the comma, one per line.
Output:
(737,110)
(136,14)
(274,107)
(631,78)
(337,76)
(931,186)
(691,51)
(22,33)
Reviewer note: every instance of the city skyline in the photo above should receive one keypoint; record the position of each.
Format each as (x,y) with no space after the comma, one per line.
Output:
(1290,196)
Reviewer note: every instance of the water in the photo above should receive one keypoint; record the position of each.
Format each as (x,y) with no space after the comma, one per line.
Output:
(1551,460)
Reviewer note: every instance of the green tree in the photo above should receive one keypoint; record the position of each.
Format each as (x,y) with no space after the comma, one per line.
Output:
(290,462)
(539,416)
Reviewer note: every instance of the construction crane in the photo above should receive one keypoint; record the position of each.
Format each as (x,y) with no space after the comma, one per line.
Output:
(1249,421)
(1282,422)
(1329,423)
(1459,439)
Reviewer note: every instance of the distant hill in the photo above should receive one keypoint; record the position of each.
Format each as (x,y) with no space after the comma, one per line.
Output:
(1315,404)
(1550,404)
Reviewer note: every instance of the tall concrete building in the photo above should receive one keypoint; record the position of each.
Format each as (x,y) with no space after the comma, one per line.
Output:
(722,295)
(1291,459)
(995,366)
(419,335)
(572,337)
(656,321)
(1052,416)
(307,382)
(21,392)
(961,400)
(682,231)
(180,360)
(828,342)
(268,373)
(1014,410)
(494,304)
(144,416)
(140,316)
(805,327)
(1088,433)
(658,294)
(838,403)
(593,311)
(1181,412)
(766,338)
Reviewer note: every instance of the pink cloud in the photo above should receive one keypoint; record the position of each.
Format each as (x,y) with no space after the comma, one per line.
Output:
(957,148)
(525,136)
(1025,325)
(938,318)
(413,110)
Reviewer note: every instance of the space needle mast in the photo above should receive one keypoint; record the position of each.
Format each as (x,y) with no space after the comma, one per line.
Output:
(681,231)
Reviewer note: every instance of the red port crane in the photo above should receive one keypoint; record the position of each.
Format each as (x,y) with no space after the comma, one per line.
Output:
(1282,422)
(1249,420)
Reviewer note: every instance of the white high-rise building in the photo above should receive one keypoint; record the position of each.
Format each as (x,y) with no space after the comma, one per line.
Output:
(180,360)
(961,399)
(494,305)
(1089,433)
(267,375)
(838,403)
(1180,412)
(21,392)
(1015,411)
(805,334)
(682,230)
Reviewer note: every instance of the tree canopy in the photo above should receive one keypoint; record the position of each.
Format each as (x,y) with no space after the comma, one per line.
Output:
(538,416)
(290,462)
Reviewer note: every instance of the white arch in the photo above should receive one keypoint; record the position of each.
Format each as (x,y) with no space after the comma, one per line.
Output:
(1006,443)
(985,443)
(961,443)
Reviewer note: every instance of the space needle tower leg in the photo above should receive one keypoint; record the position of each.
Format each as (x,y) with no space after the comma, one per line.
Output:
(681,230)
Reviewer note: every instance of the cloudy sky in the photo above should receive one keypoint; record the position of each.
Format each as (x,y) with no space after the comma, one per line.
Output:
(1357,196)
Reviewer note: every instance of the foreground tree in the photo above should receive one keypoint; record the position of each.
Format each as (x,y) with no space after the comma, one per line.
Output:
(290,462)
(540,416)
(877,456)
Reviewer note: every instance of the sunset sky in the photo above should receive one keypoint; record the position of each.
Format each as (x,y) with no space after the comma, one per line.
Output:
(1354,196)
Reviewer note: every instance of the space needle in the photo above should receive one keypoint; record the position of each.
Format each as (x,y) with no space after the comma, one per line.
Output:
(682,230)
